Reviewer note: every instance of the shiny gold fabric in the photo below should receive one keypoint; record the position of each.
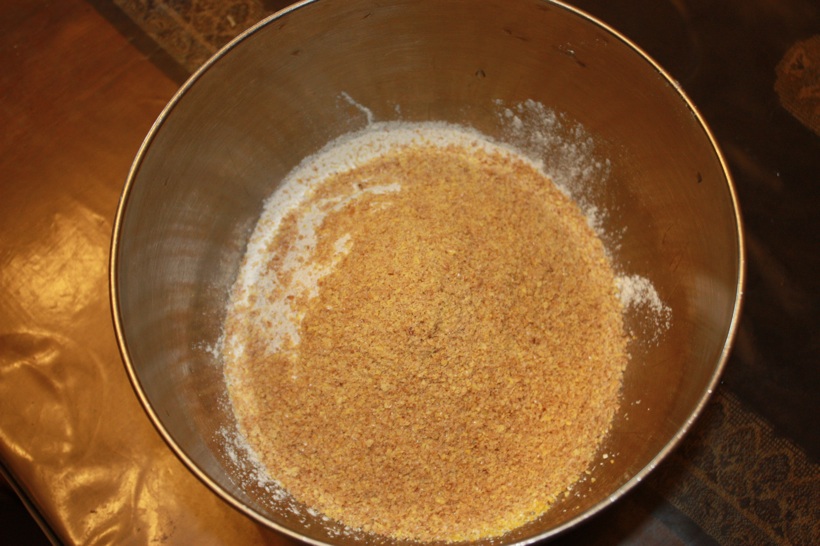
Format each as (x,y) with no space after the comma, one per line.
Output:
(77,100)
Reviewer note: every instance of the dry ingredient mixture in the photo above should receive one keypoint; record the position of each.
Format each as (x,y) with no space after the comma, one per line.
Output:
(430,344)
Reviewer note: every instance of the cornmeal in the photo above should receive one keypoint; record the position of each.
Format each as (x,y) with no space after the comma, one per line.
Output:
(439,355)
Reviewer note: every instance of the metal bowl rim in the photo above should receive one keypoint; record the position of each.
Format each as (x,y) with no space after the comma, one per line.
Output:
(260,518)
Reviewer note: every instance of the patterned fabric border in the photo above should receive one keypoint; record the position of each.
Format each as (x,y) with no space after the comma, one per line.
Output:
(740,482)
(191,31)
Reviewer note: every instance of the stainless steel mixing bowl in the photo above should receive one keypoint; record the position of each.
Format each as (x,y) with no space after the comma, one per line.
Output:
(279,93)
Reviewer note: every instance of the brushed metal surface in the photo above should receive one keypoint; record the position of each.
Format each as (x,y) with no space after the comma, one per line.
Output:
(273,97)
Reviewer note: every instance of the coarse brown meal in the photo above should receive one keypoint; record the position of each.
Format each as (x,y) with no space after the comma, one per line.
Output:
(459,360)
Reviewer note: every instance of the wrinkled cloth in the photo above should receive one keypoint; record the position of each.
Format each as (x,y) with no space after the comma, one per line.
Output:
(72,434)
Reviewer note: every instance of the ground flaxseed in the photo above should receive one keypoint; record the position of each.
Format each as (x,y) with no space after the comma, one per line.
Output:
(456,344)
